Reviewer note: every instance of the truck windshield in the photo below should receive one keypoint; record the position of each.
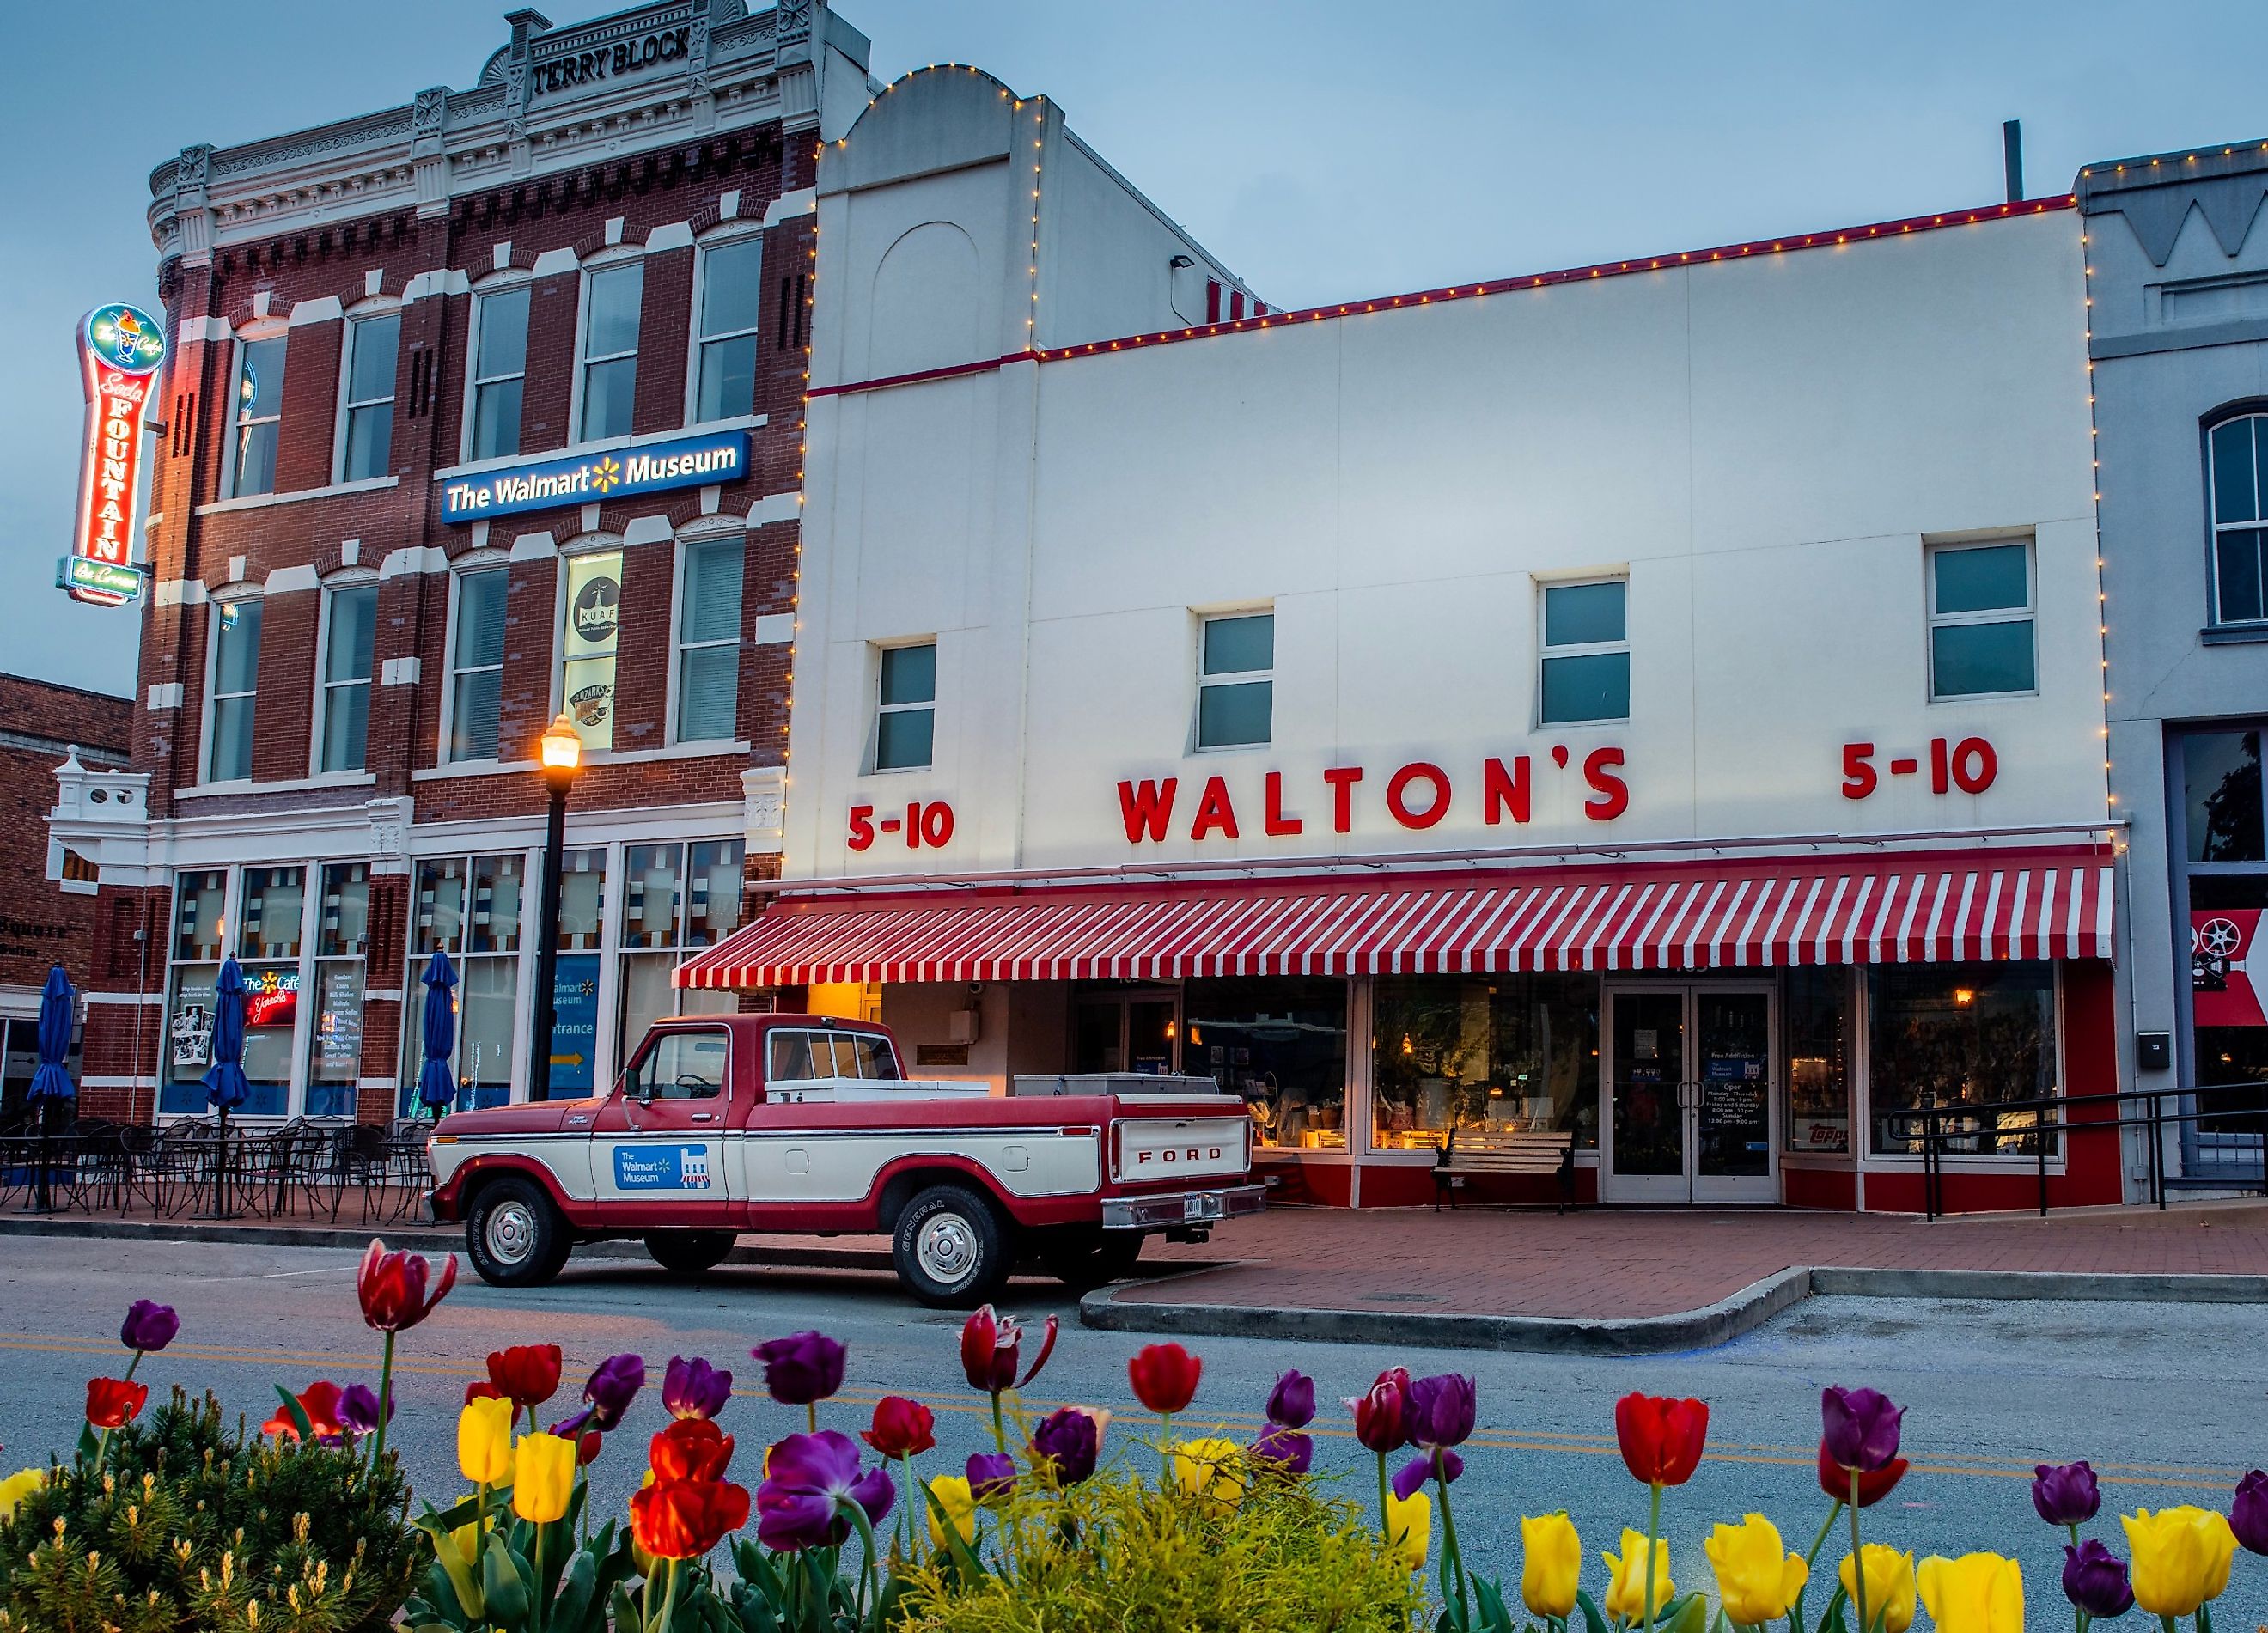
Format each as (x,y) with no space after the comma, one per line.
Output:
(805,1056)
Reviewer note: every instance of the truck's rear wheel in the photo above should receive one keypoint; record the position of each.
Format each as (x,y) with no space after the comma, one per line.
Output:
(513,1235)
(687,1252)
(1083,1259)
(951,1248)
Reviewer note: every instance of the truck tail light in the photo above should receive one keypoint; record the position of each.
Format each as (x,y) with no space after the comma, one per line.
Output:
(1117,1131)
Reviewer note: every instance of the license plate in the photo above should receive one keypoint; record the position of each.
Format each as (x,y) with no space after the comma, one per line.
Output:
(1200,1207)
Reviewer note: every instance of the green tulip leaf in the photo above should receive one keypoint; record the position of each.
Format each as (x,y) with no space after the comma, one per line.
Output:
(1593,1620)
(504,1583)
(1832,1621)
(296,1413)
(1689,1614)
(1494,1617)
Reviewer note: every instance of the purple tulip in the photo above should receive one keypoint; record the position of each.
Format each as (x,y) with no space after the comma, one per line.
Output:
(148,1327)
(694,1388)
(1287,1449)
(875,1493)
(1292,1402)
(358,1409)
(1069,1438)
(1860,1428)
(2248,1515)
(1415,1473)
(801,1368)
(2066,1494)
(1441,1410)
(614,1386)
(2095,1580)
(991,1475)
(806,1479)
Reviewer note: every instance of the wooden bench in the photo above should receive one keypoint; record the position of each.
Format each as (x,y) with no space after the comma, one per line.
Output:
(1539,1150)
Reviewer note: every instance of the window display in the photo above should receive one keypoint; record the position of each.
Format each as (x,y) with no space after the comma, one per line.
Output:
(1962,1037)
(1505,1053)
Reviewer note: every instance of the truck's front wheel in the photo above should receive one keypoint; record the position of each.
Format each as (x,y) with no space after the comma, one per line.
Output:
(951,1248)
(513,1235)
(687,1252)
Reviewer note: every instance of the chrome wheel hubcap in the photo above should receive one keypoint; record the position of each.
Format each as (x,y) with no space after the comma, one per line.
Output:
(945,1248)
(511,1233)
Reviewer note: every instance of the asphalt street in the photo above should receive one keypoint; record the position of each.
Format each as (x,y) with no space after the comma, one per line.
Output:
(2166,1399)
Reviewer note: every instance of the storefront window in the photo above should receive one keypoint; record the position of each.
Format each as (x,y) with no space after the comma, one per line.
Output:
(2231,1029)
(275,899)
(1964,1038)
(1280,1046)
(675,898)
(2221,774)
(1501,1052)
(469,908)
(341,941)
(1817,1007)
(262,928)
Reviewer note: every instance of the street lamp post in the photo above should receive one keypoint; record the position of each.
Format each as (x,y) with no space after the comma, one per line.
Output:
(562,755)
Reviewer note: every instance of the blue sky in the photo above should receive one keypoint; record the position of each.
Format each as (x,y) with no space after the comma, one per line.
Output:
(1325,150)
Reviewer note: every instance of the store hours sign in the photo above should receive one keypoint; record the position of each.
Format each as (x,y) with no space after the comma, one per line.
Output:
(608,473)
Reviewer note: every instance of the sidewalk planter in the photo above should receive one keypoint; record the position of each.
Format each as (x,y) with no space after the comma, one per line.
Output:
(177,1523)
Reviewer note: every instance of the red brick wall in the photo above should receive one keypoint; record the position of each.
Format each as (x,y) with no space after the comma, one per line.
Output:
(40,924)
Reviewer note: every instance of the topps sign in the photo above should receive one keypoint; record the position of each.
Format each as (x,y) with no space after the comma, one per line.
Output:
(616,473)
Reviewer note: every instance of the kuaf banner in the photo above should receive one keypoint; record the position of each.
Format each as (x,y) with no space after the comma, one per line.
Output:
(121,349)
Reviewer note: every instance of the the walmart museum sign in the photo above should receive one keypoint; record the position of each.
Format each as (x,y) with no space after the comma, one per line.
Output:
(613,474)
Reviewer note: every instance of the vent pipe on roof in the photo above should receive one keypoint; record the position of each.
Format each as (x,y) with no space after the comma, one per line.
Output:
(2012,156)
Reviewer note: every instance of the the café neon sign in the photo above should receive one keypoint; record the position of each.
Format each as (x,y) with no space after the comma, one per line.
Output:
(120,348)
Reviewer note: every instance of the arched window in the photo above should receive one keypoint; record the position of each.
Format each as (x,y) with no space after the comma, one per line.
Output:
(2239,459)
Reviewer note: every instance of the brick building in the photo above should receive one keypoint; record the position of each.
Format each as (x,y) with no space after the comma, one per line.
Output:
(477,408)
(48,917)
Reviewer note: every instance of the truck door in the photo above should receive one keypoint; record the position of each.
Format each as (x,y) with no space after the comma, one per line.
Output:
(661,1140)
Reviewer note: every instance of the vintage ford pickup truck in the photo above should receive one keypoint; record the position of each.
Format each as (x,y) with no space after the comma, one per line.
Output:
(804,1123)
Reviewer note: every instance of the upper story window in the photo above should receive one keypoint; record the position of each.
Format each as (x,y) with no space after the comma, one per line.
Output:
(1585,672)
(366,450)
(258,415)
(612,298)
(2240,520)
(235,680)
(1980,620)
(905,711)
(709,641)
(476,665)
(499,372)
(349,649)
(1236,684)
(727,334)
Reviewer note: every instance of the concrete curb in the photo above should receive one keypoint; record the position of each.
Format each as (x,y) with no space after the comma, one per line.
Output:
(1702,1329)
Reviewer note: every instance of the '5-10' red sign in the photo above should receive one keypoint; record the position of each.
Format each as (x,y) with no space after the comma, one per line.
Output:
(1968,765)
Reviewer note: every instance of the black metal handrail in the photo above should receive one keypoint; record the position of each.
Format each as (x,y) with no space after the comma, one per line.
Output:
(2048,1114)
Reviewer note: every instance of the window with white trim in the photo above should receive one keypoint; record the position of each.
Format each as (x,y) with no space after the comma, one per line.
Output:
(1584,673)
(2239,519)
(676,899)
(726,333)
(1980,620)
(349,649)
(905,707)
(366,449)
(476,665)
(709,640)
(258,416)
(612,298)
(235,627)
(1236,679)
(499,372)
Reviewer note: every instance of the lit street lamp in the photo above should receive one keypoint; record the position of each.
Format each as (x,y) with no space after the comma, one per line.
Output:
(560,752)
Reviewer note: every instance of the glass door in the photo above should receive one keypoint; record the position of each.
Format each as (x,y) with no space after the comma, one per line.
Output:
(1126,1030)
(1691,1082)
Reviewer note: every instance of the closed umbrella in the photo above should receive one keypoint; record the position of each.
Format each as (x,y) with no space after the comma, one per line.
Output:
(51,1083)
(225,1083)
(437,1084)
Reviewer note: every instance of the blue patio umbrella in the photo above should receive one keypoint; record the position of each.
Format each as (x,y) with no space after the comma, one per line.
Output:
(224,1084)
(437,1084)
(51,1084)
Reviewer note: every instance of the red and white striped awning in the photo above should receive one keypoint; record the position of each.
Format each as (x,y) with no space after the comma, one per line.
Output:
(1754,913)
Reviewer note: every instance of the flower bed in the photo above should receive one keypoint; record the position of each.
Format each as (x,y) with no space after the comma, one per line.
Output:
(175,1522)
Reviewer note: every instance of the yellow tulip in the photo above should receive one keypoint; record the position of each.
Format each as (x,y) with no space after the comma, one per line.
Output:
(1758,1577)
(17,1487)
(1626,1578)
(1550,1565)
(959,1502)
(484,1441)
(1212,1470)
(1890,1587)
(466,1540)
(2181,1558)
(1975,1593)
(543,1477)
(1409,1528)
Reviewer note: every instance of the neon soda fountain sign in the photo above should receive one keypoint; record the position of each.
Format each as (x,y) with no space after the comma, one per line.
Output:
(122,348)
(615,473)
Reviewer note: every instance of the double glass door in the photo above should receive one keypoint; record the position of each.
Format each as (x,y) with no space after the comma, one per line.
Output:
(1689,1072)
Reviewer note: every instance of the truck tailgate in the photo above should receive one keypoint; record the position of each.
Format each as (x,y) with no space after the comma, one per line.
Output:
(1179,1148)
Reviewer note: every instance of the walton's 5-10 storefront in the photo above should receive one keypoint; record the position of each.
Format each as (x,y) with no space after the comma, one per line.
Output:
(1654,710)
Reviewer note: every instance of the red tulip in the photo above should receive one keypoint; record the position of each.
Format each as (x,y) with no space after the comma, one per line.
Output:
(1661,1437)
(526,1375)
(1165,1376)
(902,1428)
(989,1342)
(481,1389)
(113,1402)
(392,1287)
(1873,1484)
(587,1447)
(319,1401)
(685,1518)
(1381,1417)
(691,1448)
